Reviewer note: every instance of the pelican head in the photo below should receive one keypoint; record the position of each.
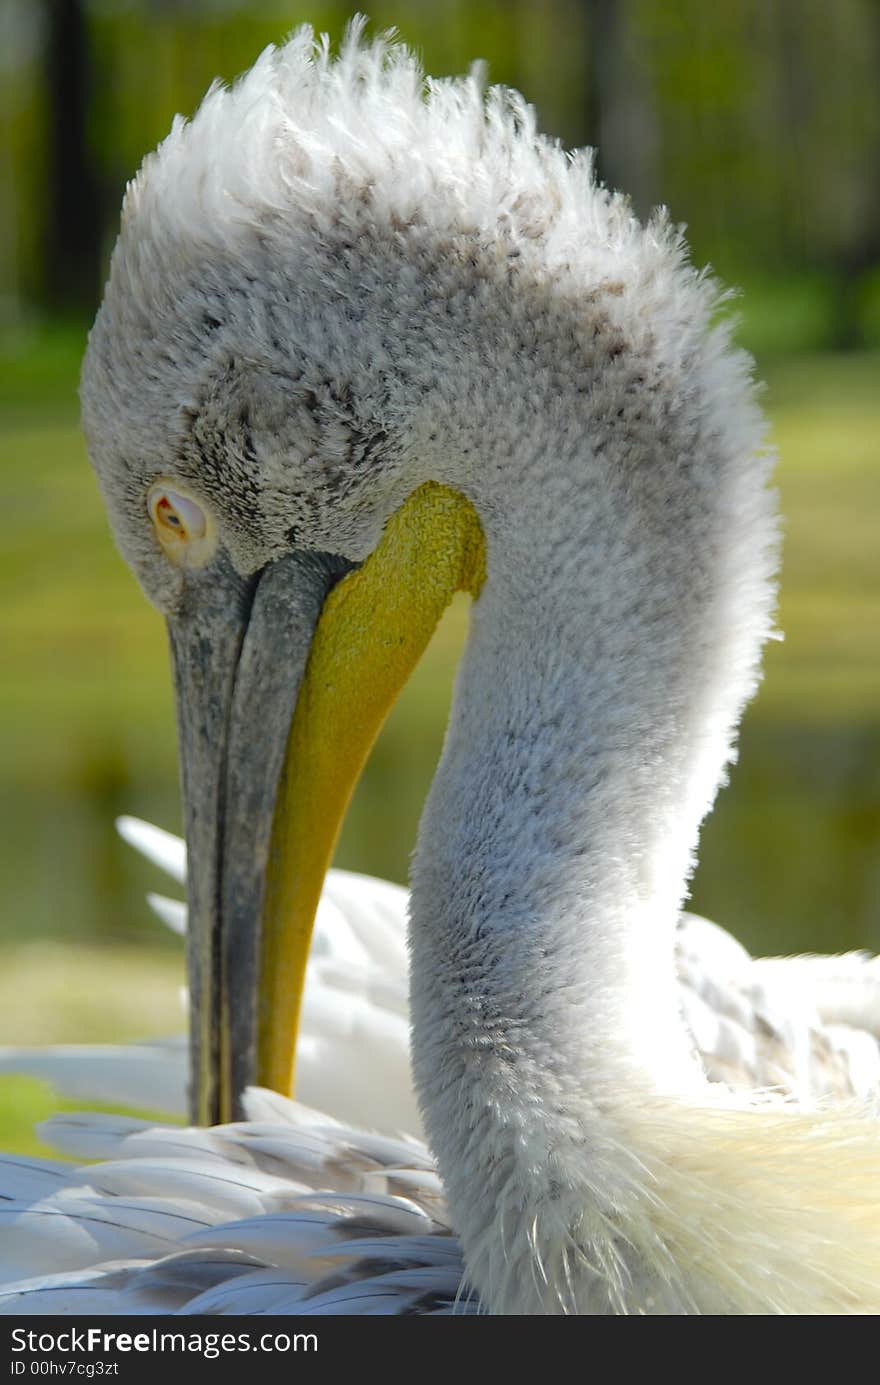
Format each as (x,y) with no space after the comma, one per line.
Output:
(261,396)
(367,341)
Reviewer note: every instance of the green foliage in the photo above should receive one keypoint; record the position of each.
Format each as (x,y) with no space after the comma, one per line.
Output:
(785,314)
(869,306)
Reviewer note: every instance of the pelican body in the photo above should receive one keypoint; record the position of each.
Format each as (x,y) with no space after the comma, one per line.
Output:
(367,341)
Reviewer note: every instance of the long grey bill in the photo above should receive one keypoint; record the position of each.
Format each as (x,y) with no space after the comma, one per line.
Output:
(239,651)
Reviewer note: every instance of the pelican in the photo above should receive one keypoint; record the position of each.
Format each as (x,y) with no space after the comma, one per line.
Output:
(368,341)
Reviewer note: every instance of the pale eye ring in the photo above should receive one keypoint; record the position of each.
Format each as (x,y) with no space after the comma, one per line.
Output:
(181,524)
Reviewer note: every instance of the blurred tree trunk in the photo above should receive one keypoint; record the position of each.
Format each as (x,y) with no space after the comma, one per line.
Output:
(73,205)
(621,120)
(854,247)
(849,269)
(862,252)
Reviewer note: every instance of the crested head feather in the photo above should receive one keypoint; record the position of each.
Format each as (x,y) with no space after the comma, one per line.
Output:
(340,259)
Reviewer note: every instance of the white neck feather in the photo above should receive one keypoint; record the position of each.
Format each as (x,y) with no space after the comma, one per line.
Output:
(611,651)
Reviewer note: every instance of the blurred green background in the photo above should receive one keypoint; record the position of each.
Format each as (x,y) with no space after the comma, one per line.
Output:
(758,123)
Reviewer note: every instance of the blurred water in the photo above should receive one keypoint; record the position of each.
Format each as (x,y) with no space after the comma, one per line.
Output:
(789,859)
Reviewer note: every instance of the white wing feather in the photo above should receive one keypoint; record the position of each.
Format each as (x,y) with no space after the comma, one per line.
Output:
(109,1073)
(233,1219)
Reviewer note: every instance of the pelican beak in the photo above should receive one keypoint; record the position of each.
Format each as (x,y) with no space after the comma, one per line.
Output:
(282,684)
(239,652)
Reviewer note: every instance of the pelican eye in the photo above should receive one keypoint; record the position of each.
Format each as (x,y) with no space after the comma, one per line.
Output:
(181,525)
